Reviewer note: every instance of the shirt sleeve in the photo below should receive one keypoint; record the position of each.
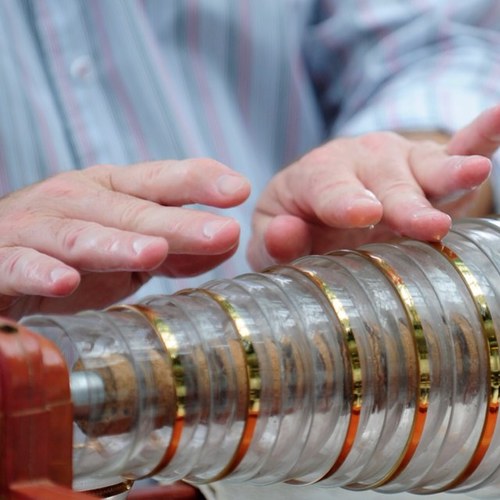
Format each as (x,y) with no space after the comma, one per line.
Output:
(404,64)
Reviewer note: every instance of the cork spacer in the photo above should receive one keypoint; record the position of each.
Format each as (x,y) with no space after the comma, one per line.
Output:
(171,346)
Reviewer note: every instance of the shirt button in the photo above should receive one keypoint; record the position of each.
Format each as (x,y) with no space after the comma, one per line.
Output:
(82,68)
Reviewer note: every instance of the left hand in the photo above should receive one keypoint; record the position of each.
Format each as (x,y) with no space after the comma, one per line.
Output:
(88,238)
(351,191)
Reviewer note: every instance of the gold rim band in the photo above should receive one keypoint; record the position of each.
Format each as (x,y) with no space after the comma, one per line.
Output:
(254,381)
(488,330)
(423,367)
(172,347)
(354,361)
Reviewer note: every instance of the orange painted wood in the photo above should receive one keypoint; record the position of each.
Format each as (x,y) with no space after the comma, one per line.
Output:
(36,490)
(175,491)
(36,421)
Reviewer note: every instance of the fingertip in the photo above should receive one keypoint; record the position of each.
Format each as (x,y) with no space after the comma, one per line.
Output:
(428,225)
(465,174)
(287,238)
(233,186)
(474,170)
(493,115)
(63,281)
(363,212)
(220,235)
(149,251)
(353,211)
(220,227)
(481,136)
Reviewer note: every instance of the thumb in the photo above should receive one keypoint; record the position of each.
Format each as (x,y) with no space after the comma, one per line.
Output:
(278,239)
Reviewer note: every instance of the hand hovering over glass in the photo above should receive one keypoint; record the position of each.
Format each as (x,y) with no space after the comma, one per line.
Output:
(95,236)
(351,191)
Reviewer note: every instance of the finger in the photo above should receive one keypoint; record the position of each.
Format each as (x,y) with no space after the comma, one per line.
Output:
(334,197)
(177,183)
(25,271)
(277,239)
(187,231)
(480,137)
(407,211)
(442,176)
(287,238)
(91,247)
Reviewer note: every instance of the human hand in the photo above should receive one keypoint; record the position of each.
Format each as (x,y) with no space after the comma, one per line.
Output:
(96,235)
(351,191)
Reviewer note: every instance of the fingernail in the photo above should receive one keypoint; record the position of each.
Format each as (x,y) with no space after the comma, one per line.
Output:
(210,229)
(59,273)
(371,195)
(366,198)
(140,244)
(230,184)
(425,213)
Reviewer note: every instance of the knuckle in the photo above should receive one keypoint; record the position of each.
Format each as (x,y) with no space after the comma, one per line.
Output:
(70,237)
(11,261)
(399,189)
(134,214)
(98,168)
(185,173)
(191,173)
(61,186)
(177,227)
(379,142)
(425,150)
(199,172)
(102,172)
(14,223)
(204,163)
(333,184)
(318,156)
(214,165)
(330,154)
(322,156)
(151,173)
(17,222)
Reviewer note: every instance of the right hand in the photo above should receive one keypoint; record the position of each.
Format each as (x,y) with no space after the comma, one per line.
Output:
(85,239)
(375,187)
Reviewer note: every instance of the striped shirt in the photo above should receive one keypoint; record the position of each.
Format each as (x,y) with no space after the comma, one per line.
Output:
(251,83)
